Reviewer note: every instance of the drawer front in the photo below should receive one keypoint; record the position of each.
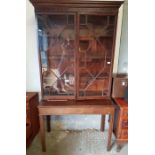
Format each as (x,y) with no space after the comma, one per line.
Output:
(125,114)
(124,124)
(124,134)
(121,85)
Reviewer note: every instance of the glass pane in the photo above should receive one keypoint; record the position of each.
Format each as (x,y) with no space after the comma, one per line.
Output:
(95,54)
(57,49)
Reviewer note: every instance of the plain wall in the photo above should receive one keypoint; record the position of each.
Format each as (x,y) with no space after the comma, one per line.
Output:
(32,63)
(33,75)
(123,52)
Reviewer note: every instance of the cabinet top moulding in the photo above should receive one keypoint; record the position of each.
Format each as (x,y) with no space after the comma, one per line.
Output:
(46,4)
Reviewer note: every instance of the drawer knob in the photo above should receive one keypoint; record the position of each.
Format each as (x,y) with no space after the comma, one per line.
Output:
(123,83)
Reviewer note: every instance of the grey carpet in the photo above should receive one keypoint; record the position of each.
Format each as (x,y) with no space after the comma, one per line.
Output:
(87,142)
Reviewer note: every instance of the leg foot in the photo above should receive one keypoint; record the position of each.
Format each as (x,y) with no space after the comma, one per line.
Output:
(42,133)
(110,133)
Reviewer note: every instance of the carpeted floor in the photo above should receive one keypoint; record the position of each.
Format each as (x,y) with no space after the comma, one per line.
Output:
(87,142)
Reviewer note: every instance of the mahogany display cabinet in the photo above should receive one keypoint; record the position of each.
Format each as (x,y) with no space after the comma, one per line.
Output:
(76,48)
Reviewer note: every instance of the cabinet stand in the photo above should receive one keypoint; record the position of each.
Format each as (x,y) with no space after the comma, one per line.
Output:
(88,107)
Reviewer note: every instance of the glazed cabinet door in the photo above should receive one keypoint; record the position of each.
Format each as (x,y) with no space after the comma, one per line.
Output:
(56,34)
(95,56)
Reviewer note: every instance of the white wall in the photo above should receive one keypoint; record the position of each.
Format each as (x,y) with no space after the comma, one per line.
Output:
(32,63)
(123,51)
(118,36)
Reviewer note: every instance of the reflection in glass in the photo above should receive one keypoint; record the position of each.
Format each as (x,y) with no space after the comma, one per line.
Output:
(56,45)
(95,54)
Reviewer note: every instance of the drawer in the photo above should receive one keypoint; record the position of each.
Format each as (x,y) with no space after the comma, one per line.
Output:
(121,85)
(124,134)
(125,114)
(124,124)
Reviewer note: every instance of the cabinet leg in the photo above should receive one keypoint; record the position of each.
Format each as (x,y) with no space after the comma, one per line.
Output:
(48,123)
(110,133)
(42,133)
(102,123)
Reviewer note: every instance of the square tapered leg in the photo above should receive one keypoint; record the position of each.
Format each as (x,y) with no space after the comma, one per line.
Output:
(42,132)
(110,132)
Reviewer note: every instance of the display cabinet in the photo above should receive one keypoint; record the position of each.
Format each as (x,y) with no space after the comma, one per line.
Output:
(76,50)
(76,47)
